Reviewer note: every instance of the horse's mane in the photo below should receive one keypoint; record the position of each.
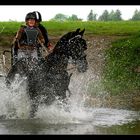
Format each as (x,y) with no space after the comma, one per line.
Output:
(65,38)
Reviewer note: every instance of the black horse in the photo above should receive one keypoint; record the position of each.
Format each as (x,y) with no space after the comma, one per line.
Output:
(48,79)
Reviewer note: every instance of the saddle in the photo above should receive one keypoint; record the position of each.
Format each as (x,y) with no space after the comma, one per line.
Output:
(27,47)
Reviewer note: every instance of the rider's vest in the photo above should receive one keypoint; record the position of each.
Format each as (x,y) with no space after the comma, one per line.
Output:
(29,37)
(31,34)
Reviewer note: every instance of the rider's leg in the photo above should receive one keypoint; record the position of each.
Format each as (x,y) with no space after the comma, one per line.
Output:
(14,55)
(39,53)
(34,55)
(21,54)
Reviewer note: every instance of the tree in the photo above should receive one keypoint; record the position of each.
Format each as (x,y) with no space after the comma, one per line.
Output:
(60,17)
(73,18)
(111,15)
(136,15)
(104,16)
(91,16)
(115,16)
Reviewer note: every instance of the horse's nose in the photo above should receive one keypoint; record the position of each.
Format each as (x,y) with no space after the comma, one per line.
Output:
(82,66)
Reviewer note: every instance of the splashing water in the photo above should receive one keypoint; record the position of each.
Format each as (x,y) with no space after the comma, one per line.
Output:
(14,104)
(78,112)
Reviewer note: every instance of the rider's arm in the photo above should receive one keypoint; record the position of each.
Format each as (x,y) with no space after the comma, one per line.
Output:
(44,33)
(19,33)
(40,37)
(17,37)
(47,44)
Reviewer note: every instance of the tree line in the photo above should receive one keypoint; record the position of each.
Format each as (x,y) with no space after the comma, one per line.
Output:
(92,16)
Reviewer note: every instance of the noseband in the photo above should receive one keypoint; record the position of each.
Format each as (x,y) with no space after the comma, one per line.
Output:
(77,36)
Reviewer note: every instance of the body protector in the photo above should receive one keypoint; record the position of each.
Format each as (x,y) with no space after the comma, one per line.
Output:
(31,34)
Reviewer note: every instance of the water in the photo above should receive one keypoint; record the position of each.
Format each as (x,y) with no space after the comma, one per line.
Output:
(76,118)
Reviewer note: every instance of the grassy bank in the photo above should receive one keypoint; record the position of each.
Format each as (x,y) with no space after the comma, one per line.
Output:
(122,69)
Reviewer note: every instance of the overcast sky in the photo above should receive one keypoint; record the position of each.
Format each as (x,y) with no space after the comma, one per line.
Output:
(18,12)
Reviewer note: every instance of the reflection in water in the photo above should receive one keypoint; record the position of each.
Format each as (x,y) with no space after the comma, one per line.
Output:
(37,126)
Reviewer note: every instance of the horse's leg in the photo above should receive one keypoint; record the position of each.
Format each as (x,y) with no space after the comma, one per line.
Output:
(64,84)
(33,94)
(34,107)
(10,76)
(18,68)
(34,102)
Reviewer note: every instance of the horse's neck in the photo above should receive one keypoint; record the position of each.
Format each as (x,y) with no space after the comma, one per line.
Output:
(56,59)
(58,56)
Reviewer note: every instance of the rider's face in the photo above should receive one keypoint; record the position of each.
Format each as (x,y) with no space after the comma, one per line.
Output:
(31,22)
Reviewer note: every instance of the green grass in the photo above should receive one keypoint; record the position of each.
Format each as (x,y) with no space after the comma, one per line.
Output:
(121,61)
(57,29)
(96,27)
(92,27)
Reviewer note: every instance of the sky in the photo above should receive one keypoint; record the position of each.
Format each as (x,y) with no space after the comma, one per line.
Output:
(18,12)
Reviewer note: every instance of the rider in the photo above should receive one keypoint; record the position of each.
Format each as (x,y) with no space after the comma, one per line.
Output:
(43,30)
(28,37)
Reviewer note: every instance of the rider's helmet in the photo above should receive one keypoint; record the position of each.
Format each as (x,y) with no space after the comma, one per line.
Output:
(30,16)
(37,16)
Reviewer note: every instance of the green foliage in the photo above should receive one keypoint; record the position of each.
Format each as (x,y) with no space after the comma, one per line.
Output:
(73,18)
(136,15)
(91,16)
(60,17)
(121,61)
(104,16)
(115,16)
(112,16)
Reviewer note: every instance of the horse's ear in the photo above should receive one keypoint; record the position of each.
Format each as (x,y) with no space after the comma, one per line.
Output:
(82,32)
(69,35)
(77,31)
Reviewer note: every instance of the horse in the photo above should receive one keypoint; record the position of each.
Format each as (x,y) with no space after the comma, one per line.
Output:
(48,78)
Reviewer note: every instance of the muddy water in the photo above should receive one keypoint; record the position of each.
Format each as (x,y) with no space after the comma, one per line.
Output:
(76,118)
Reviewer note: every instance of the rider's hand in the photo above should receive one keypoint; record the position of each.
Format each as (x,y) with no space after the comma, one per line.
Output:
(50,47)
(15,41)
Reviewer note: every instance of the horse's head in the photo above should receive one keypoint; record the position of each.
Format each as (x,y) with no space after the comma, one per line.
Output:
(73,46)
(76,47)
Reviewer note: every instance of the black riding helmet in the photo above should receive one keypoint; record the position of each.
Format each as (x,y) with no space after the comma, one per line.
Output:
(30,16)
(37,16)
